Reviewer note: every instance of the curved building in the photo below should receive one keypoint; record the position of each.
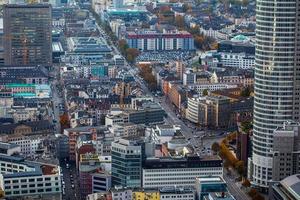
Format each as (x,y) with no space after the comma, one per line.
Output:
(277,75)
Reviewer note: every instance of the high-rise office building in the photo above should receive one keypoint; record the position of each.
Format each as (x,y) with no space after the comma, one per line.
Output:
(27,34)
(277,82)
(286,151)
(126,157)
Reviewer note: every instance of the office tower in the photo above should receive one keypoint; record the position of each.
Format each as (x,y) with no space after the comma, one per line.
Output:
(126,163)
(286,151)
(27,34)
(277,82)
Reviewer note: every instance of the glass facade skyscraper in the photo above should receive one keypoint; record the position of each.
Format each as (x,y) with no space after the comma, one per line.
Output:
(277,80)
(27,34)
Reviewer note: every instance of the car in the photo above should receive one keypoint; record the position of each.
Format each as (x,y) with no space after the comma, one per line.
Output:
(67,166)
(71,176)
(73,186)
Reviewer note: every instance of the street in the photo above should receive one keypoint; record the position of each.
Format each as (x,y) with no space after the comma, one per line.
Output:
(57,99)
(235,189)
(69,192)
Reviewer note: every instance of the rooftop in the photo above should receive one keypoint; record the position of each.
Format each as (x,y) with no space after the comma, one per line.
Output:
(31,168)
(192,161)
(5,145)
(292,184)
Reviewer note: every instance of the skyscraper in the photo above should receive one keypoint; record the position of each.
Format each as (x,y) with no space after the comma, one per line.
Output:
(27,34)
(277,80)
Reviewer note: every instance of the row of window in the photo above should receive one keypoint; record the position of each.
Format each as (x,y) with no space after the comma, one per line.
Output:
(17,192)
(28,180)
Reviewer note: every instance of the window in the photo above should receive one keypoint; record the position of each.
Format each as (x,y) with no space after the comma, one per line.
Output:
(47,179)
(32,185)
(31,180)
(15,186)
(24,191)
(39,179)
(40,190)
(47,184)
(32,191)
(40,185)
(48,190)
(23,180)
(23,186)
(17,192)
(15,181)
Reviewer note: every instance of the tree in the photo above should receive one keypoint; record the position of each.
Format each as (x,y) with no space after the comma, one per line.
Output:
(131,54)
(214,46)
(123,46)
(252,192)
(245,92)
(246,183)
(258,197)
(185,7)
(179,21)
(146,73)
(215,147)
(239,166)
(195,30)
(205,92)
(64,121)
(226,164)
(246,126)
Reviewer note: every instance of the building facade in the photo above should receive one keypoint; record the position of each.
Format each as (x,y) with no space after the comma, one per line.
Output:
(288,188)
(20,178)
(286,147)
(148,40)
(126,163)
(276,81)
(167,172)
(27,33)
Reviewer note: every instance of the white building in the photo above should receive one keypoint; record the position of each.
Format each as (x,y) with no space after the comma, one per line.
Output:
(121,193)
(28,144)
(182,172)
(21,178)
(161,133)
(237,60)
(175,193)
(211,87)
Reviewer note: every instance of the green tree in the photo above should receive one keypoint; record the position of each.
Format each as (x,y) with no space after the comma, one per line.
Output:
(205,92)
(246,126)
